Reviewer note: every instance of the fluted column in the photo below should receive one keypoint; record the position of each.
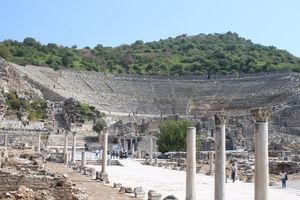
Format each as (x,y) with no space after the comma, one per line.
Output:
(261,183)
(220,163)
(191,164)
(103,174)
(74,147)
(66,148)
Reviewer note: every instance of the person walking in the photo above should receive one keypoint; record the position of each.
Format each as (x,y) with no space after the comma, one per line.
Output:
(286,178)
(283,179)
(233,171)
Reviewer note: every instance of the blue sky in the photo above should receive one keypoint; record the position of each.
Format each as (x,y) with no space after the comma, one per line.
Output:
(115,22)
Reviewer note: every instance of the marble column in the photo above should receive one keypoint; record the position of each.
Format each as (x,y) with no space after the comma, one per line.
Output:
(151,148)
(261,184)
(74,147)
(103,174)
(39,142)
(211,162)
(66,148)
(191,164)
(220,163)
(83,158)
(66,158)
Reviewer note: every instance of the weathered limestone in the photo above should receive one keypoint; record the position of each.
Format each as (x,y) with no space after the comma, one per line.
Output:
(103,174)
(220,163)
(83,158)
(39,142)
(74,147)
(66,148)
(261,184)
(191,164)
(211,162)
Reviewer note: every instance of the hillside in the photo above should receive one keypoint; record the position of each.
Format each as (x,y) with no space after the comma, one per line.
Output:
(184,55)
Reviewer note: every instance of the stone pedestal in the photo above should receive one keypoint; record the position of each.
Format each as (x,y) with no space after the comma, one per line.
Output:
(154,195)
(220,163)
(103,174)
(261,175)
(191,164)
(66,148)
(74,147)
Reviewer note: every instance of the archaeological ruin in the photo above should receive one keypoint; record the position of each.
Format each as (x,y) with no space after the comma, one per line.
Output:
(252,120)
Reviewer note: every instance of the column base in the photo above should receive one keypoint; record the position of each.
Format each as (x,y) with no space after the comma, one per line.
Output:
(104,177)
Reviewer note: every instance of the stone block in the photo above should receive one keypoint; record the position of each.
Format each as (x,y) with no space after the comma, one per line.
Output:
(154,195)
(139,193)
(170,197)
(117,185)
(128,190)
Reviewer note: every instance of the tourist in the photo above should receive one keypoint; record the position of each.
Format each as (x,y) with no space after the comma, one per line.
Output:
(109,158)
(233,171)
(97,153)
(286,178)
(283,176)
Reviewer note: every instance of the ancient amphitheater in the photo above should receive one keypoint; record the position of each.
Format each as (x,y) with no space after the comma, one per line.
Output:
(155,97)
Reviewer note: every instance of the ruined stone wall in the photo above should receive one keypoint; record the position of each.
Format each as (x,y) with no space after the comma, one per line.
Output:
(18,138)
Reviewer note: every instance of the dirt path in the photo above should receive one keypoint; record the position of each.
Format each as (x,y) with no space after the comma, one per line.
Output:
(95,190)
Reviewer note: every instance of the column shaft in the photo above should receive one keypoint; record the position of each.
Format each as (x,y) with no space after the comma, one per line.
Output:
(66,148)
(83,158)
(261,161)
(220,163)
(74,147)
(261,184)
(151,148)
(103,174)
(191,164)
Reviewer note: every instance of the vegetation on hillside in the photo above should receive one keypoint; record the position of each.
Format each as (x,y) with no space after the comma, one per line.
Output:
(184,55)
(35,108)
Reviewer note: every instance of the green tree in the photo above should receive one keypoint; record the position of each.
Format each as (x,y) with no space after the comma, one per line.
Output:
(99,125)
(173,135)
(4,52)
(66,60)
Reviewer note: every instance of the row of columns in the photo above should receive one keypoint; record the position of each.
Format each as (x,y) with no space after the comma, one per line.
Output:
(261,184)
(103,174)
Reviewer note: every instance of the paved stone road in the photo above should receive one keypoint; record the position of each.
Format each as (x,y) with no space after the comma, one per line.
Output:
(95,190)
